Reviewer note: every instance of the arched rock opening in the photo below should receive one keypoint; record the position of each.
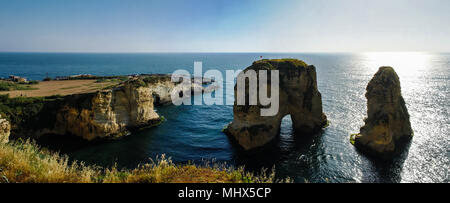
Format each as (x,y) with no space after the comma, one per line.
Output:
(298,97)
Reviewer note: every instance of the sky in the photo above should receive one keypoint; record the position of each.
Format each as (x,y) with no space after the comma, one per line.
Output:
(224,25)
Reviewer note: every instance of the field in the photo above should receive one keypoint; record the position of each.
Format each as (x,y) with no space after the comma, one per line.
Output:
(63,87)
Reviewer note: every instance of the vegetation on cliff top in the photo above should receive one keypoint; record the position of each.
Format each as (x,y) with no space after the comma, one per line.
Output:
(25,162)
(20,109)
(9,86)
(146,80)
(112,79)
(271,64)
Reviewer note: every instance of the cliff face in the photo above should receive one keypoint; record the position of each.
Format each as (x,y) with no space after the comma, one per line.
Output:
(298,96)
(5,128)
(109,114)
(387,117)
(105,114)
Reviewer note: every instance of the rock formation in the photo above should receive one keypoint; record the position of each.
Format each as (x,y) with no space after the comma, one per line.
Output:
(108,114)
(5,128)
(111,113)
(387,117)
(298,96)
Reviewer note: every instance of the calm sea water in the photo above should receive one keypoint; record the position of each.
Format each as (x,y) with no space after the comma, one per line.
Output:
(193,133)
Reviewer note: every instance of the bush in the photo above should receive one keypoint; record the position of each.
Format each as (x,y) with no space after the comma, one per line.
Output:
(9,86)
(33,82)
(112,79)
(22,109)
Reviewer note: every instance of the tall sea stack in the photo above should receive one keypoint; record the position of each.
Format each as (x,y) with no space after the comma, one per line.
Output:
(298,97)
(387,119)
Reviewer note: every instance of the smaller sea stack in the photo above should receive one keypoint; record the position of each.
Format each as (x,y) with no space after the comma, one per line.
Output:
(387,119)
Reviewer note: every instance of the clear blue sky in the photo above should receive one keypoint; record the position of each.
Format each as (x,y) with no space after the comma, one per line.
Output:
(224,25)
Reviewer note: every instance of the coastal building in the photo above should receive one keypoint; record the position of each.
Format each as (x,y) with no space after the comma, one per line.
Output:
(17,79)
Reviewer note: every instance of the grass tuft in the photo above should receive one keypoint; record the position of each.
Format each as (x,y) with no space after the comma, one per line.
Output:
(352,138)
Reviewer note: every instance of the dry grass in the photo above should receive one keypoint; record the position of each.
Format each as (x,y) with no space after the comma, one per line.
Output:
(25,162)
(62,87)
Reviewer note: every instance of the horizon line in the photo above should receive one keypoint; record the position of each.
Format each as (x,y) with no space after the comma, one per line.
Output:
(218,52)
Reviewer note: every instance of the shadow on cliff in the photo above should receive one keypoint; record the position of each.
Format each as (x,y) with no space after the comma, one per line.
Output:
(386,170)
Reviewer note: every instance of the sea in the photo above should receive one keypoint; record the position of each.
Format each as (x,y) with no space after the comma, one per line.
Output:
(193,133)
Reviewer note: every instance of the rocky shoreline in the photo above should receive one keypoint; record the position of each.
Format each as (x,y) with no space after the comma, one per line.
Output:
(108,114)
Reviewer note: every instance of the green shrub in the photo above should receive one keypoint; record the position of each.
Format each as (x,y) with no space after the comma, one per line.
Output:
(21,109)
(9,86)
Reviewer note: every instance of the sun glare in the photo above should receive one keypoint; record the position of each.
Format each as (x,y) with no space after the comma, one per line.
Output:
(405,63)
(398,58)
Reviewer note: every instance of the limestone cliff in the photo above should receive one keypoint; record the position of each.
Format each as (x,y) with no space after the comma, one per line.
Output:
(110,113)
(298,96)
(5,128)
(387,117)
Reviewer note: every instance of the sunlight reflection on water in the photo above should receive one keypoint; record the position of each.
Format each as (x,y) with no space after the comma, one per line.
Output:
(424,82)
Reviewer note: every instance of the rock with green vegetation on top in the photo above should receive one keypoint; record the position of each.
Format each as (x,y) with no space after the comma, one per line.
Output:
(298,97)
(387,119)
